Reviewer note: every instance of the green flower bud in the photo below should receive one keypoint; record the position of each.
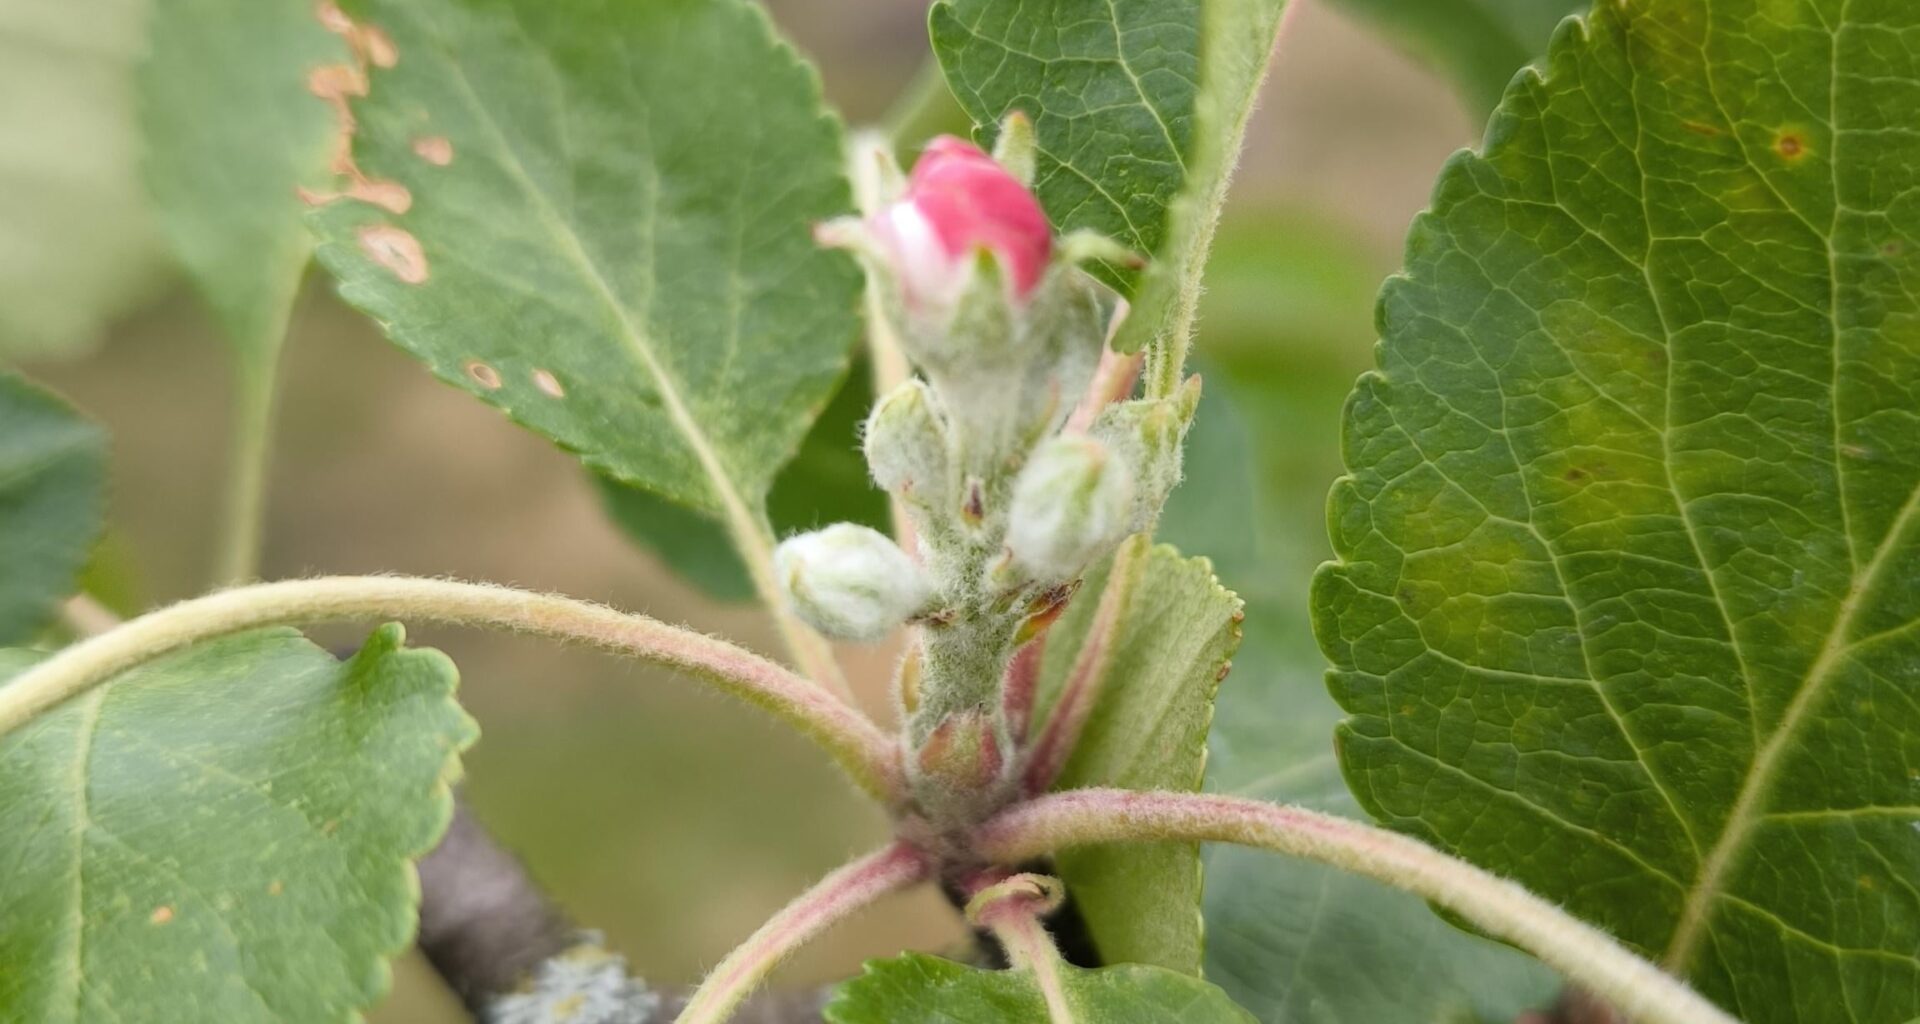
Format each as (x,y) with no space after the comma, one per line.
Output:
(1147,435)
(906,445)
(849,582)
(1072,503)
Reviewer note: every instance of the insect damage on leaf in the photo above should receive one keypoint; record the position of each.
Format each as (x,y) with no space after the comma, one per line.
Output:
(336,84)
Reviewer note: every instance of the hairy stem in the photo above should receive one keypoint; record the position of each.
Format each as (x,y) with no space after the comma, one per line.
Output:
(853,741)
(812,654)
(1013,909)
(1581,952)
(256,385)
(834,898)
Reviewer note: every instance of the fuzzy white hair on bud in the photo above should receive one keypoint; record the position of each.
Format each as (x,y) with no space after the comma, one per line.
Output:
(849,582)
(1071,503)
(906,444)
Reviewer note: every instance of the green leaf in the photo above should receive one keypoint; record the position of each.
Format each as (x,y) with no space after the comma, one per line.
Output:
(78,246)
(1165,630)
(225,833)
(921,989)
(53,469)
(1138,109)
(617,251)
(825,483)
(232,133)
(1289,939)
(1626,608)
(1480,44)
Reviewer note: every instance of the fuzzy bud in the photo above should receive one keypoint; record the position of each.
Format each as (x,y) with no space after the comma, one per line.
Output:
(960,201)
(906,444)
(849,582)
(1147,435)
(1071,503)
(958,766)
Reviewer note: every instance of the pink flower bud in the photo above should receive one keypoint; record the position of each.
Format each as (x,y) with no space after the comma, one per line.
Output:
(959,200)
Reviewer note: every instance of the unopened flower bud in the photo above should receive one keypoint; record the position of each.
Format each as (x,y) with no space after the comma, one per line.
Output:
(959,201)
(1071,503)
(1147,435)
(849,582)
(906,444)
(962,754)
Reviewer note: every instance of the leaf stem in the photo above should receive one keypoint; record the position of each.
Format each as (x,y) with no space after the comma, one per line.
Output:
(866,754)
(1012,910)
(255,390)
(830,901)
(753,538)
(1581,952)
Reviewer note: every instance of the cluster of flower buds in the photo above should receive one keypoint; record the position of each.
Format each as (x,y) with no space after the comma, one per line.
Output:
(1009,507)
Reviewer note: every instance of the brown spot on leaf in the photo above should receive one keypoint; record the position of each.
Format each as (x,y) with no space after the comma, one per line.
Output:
(1790,146)
(1575,475)
(1701,128)
(161,915)
(276,887)
(335,82)
(483,375)
(548,384)
(434,149)
(332,18)
(395,249)
(377,46)
(1225,668)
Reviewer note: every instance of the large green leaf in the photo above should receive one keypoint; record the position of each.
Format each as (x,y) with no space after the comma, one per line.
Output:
(1138,108)
(921,989)
(1161,629)
(78,245)
(224,834)
(825,483)
(610,230)
(53,468)
(1480,44)
(1627,601)
(1291,940)
(232,133)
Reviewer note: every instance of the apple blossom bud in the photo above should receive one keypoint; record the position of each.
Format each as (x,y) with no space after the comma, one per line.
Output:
(959,201)
(962,749)
(849,582)
(1147,434)
(1071,503)
(906,444)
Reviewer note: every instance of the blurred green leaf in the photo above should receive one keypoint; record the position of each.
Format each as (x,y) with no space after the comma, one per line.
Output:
(224,834)
(1627,601)
(1167,632)
(921,989)
(825,483)
(1139,110)
(1290,940)
(78,246)
(53,469)
(1480,44)
(232,132)
(616,248)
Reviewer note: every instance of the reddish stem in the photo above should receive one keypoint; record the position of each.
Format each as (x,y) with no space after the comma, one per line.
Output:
(834,898)
(1586,955)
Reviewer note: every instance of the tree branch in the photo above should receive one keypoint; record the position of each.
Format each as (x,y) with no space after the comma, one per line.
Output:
(488,928)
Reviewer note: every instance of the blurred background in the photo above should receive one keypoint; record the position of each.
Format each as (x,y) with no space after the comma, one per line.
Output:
(671,820)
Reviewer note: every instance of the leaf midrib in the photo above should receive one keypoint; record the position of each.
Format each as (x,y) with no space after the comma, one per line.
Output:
(743,523)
